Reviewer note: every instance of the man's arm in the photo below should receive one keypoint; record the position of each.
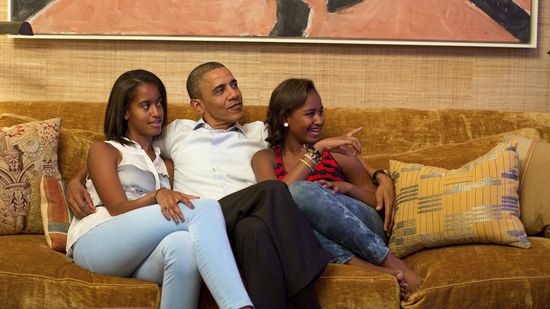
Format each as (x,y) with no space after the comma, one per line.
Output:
(385,195)
(78,198)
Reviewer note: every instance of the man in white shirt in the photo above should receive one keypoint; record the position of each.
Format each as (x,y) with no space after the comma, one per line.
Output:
(273,244)
(212,158)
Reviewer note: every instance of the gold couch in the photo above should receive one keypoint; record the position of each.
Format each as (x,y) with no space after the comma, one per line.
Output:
(480,275)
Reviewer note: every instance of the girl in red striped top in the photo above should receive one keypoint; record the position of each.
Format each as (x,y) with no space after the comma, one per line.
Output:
(328,181)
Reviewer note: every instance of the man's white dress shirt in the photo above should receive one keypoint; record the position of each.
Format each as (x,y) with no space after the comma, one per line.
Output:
(212,163)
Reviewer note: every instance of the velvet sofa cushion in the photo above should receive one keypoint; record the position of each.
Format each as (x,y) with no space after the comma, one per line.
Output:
(534,179)
(342,286)
(482,276)
(394,131)
(34,276)
(386,130)
(450,155)
(75,144)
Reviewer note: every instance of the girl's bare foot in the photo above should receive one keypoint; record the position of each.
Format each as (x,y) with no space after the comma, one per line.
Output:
(398,274)
(412,279)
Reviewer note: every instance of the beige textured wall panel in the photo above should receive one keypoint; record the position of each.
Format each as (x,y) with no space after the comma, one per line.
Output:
(346,75)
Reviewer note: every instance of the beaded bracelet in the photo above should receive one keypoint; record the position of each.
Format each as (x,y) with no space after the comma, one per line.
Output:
(307,164)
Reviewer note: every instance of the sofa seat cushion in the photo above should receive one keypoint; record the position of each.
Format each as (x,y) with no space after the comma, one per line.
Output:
(482,276)
(343,286)
(34,276)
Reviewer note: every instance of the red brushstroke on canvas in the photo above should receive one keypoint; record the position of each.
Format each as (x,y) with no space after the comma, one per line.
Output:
(160,17)
(457,20)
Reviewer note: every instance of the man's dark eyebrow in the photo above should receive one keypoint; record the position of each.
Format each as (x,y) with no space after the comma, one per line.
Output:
(221,86)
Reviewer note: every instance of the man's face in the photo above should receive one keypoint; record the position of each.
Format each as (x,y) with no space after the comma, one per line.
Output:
(221,102)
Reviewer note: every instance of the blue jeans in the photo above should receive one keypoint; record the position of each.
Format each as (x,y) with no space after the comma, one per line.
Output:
(143,244)
(344,226)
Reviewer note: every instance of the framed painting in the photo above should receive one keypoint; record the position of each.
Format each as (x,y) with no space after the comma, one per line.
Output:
(499,23)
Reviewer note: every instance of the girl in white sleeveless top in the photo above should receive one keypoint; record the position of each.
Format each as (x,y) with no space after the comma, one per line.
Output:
(141,228)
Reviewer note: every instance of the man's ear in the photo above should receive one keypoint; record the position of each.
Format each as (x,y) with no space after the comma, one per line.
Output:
(196,104)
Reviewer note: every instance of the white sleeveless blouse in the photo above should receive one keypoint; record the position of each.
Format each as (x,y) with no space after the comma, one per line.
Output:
(138,176)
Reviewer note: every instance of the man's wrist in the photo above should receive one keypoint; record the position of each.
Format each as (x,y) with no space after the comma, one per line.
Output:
(378,173)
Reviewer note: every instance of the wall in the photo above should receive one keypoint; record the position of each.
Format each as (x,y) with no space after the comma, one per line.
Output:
(346,75)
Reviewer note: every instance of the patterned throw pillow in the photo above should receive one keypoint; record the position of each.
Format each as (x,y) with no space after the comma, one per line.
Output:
(74,144)
(477,203)
(27,151)
(56,216)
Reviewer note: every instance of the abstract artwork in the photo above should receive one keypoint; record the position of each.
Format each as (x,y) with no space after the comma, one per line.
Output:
(434,22)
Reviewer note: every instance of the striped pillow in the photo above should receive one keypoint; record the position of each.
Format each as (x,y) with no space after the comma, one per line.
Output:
(56,216)
(477,203)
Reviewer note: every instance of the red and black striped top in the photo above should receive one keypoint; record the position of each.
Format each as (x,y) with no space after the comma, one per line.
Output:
(328,169)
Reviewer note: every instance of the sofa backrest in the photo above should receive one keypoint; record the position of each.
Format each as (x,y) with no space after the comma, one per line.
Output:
(385,131)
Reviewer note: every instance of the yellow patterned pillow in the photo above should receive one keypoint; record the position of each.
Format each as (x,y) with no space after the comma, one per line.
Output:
(477,203)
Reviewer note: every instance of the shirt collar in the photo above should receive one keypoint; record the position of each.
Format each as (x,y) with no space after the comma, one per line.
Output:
(202,124)
(137,146)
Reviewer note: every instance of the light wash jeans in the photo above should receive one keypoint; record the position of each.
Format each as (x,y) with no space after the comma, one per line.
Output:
(344,226)
(143,244)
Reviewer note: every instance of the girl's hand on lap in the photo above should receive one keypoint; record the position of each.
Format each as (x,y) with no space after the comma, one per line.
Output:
(336,186)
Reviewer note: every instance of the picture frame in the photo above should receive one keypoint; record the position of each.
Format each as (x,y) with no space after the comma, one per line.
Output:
(482,23)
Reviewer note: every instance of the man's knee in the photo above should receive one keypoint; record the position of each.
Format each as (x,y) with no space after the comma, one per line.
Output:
(250,230)
(272,185)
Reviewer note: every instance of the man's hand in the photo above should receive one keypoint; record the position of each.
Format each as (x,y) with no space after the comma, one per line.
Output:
(385,198)
(79,199)
(168,201)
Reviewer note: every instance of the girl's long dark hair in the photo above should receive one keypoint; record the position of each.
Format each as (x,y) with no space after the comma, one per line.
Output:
(288,96)
(122,94)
